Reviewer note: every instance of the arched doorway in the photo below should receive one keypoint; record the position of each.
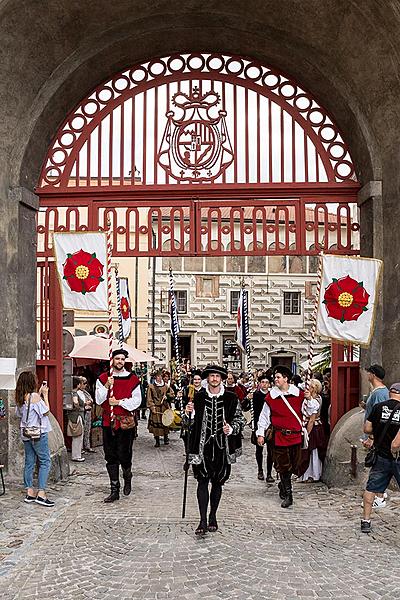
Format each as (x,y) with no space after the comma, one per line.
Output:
(196,155)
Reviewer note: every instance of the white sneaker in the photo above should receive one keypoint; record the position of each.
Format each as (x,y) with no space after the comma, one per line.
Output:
(379,502)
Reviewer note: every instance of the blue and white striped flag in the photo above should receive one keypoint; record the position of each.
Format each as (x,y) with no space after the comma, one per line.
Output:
(242,322)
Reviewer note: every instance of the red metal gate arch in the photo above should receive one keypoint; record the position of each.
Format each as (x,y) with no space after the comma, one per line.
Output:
(264,170)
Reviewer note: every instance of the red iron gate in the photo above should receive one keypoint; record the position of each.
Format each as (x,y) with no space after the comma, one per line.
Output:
(191,155)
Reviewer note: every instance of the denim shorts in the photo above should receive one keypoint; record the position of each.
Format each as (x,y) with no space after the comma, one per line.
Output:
(381,474)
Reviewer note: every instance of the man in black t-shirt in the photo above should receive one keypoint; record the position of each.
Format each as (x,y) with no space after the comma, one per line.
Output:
(387,443)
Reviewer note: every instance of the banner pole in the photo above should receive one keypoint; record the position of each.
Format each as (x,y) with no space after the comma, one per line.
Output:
(174,327)
(119,311)
(109,296)
(247,348)
(313,333)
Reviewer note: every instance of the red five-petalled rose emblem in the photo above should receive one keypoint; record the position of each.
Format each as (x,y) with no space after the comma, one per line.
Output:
(124,308)
(346,299)
(83,271)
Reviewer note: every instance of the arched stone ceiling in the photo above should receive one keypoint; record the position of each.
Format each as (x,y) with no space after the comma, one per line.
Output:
(53,52)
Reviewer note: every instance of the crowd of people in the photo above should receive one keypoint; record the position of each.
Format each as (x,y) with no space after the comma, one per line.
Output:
(288,416)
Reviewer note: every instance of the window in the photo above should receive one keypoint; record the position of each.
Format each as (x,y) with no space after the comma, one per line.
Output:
(291,303)
(235,295)
(181,301)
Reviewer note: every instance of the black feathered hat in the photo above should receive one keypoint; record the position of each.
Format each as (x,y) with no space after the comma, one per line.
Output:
(120,351)
(285,371)
(214,369)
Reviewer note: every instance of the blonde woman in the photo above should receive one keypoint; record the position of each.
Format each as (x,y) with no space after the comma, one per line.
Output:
(312,459)
(33,410)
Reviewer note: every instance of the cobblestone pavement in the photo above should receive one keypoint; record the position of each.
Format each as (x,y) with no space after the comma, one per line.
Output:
(139,547)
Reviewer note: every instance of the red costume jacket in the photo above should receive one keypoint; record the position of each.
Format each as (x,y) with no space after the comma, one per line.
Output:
(123,388)
(282,418)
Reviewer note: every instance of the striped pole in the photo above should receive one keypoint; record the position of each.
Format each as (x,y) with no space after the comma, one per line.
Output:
(174,329)
(313,333)
(120,325)
(109,295)
(248,351)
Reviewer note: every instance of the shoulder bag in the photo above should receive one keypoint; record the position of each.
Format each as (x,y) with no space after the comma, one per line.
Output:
(372,454)
(304,432)
(75,429)
(33,432)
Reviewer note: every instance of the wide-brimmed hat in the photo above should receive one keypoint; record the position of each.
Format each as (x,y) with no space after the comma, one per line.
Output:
(120,351)
(214,369)
(285,371)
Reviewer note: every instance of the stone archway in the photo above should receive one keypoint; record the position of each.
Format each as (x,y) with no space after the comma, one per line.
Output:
(51,58)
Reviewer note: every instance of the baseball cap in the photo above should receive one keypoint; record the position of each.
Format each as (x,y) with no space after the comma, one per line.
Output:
(376,370)
(395,387)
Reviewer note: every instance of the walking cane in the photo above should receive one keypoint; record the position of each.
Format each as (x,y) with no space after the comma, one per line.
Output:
(186,465)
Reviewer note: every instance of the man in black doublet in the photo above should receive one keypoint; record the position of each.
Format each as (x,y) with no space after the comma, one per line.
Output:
(214,441)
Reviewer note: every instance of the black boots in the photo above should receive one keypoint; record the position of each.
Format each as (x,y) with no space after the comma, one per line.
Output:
(113,471)
(157,444)
(166,439)
(127,475)
(285,490)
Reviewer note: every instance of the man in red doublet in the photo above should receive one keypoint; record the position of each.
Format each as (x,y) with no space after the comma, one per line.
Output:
(117,439)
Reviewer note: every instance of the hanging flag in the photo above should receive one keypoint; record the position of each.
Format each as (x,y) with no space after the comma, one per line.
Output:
(81,261)
(242,321)
(125,307)
(348,297)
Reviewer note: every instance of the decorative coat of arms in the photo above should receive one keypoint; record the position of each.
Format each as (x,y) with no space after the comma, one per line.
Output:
(195,145)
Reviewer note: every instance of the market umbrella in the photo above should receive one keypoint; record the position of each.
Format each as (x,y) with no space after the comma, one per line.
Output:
(96,347)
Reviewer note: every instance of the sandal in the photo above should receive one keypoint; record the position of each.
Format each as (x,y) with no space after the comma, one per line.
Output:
(212,524)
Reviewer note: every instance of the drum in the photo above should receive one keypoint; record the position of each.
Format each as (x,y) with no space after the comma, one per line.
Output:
(171,418)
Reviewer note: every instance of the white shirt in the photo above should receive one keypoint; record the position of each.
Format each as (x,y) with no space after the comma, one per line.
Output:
(130,404)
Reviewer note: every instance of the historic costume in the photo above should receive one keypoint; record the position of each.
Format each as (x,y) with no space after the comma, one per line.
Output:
(312,458)
(258,404)
(283,411)
(118,434)
(159,396)
(211,451)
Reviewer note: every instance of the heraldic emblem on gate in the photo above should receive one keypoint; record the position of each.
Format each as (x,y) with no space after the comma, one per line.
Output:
(195,144)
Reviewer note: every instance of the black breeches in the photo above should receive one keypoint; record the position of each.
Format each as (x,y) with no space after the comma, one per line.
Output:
(118,447)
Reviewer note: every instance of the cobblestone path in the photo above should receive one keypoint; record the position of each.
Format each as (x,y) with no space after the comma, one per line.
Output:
(140,548)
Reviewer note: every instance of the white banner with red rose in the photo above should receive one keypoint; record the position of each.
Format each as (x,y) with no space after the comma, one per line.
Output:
(348,297)
(125,307)
(81,260)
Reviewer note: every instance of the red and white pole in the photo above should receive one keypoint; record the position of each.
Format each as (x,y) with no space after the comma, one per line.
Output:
(109,297)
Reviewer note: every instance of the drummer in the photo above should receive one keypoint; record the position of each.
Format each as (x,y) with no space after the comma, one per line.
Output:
(159,397)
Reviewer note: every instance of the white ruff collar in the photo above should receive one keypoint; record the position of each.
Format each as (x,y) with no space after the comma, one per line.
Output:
(122,373)
(275,392)
(220,393)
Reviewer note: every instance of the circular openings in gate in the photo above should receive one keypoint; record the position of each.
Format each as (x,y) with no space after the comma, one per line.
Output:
(121,83)
(234,66)
(90,107)
(343,170)
(303,102)
(121,229)
(337,151)
(59,156)
(157,68)
(67,139)
(225,229)
(327,133)
(271,80)
(196,62)
(253,72)
(78,123)
(287,90)
(52,175)
(215,63)
(138,75)
(176,64)
(143,229)
(105,94)
(316,117)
